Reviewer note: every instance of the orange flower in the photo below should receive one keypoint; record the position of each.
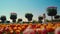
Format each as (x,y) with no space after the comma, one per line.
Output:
(49,28)
(11,31)
(23,27)
(14,28)
(19,28)
(17,31)
(38,25)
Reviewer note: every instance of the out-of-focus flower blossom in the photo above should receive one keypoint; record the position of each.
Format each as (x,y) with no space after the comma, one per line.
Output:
(29,30)
(57,30)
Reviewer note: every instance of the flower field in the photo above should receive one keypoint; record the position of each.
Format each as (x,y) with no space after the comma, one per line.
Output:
(37,28)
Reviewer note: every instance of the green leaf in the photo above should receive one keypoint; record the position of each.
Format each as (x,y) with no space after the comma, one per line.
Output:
(50,32)
(21,32)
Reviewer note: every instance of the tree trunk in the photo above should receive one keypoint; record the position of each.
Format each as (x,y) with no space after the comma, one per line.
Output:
(52,19)
(14,20)
(3,21)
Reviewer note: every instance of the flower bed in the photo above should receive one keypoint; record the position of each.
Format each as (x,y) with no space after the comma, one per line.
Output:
(25,28)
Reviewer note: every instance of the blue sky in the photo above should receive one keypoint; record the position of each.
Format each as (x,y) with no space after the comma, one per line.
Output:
(36,7)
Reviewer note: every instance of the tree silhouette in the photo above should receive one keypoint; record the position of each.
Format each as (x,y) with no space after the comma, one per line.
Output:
(29,16)
(13,17)
(40,19)
(3,18)
(34,21)
(57,16)
(19,20)
(7,21)
(52,11)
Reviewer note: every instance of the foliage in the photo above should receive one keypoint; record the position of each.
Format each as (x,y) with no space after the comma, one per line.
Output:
(3,18)
(13,16)
(40,19)
(19,20)
(29,16)
(52,11)
(57,16)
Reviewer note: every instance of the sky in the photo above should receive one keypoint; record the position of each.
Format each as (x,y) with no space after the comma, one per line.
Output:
(21,7)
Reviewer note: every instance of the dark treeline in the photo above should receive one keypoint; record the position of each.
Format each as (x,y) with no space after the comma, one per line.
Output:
(51,11)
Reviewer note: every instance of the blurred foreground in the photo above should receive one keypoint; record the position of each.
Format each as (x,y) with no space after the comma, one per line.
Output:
(29,28)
